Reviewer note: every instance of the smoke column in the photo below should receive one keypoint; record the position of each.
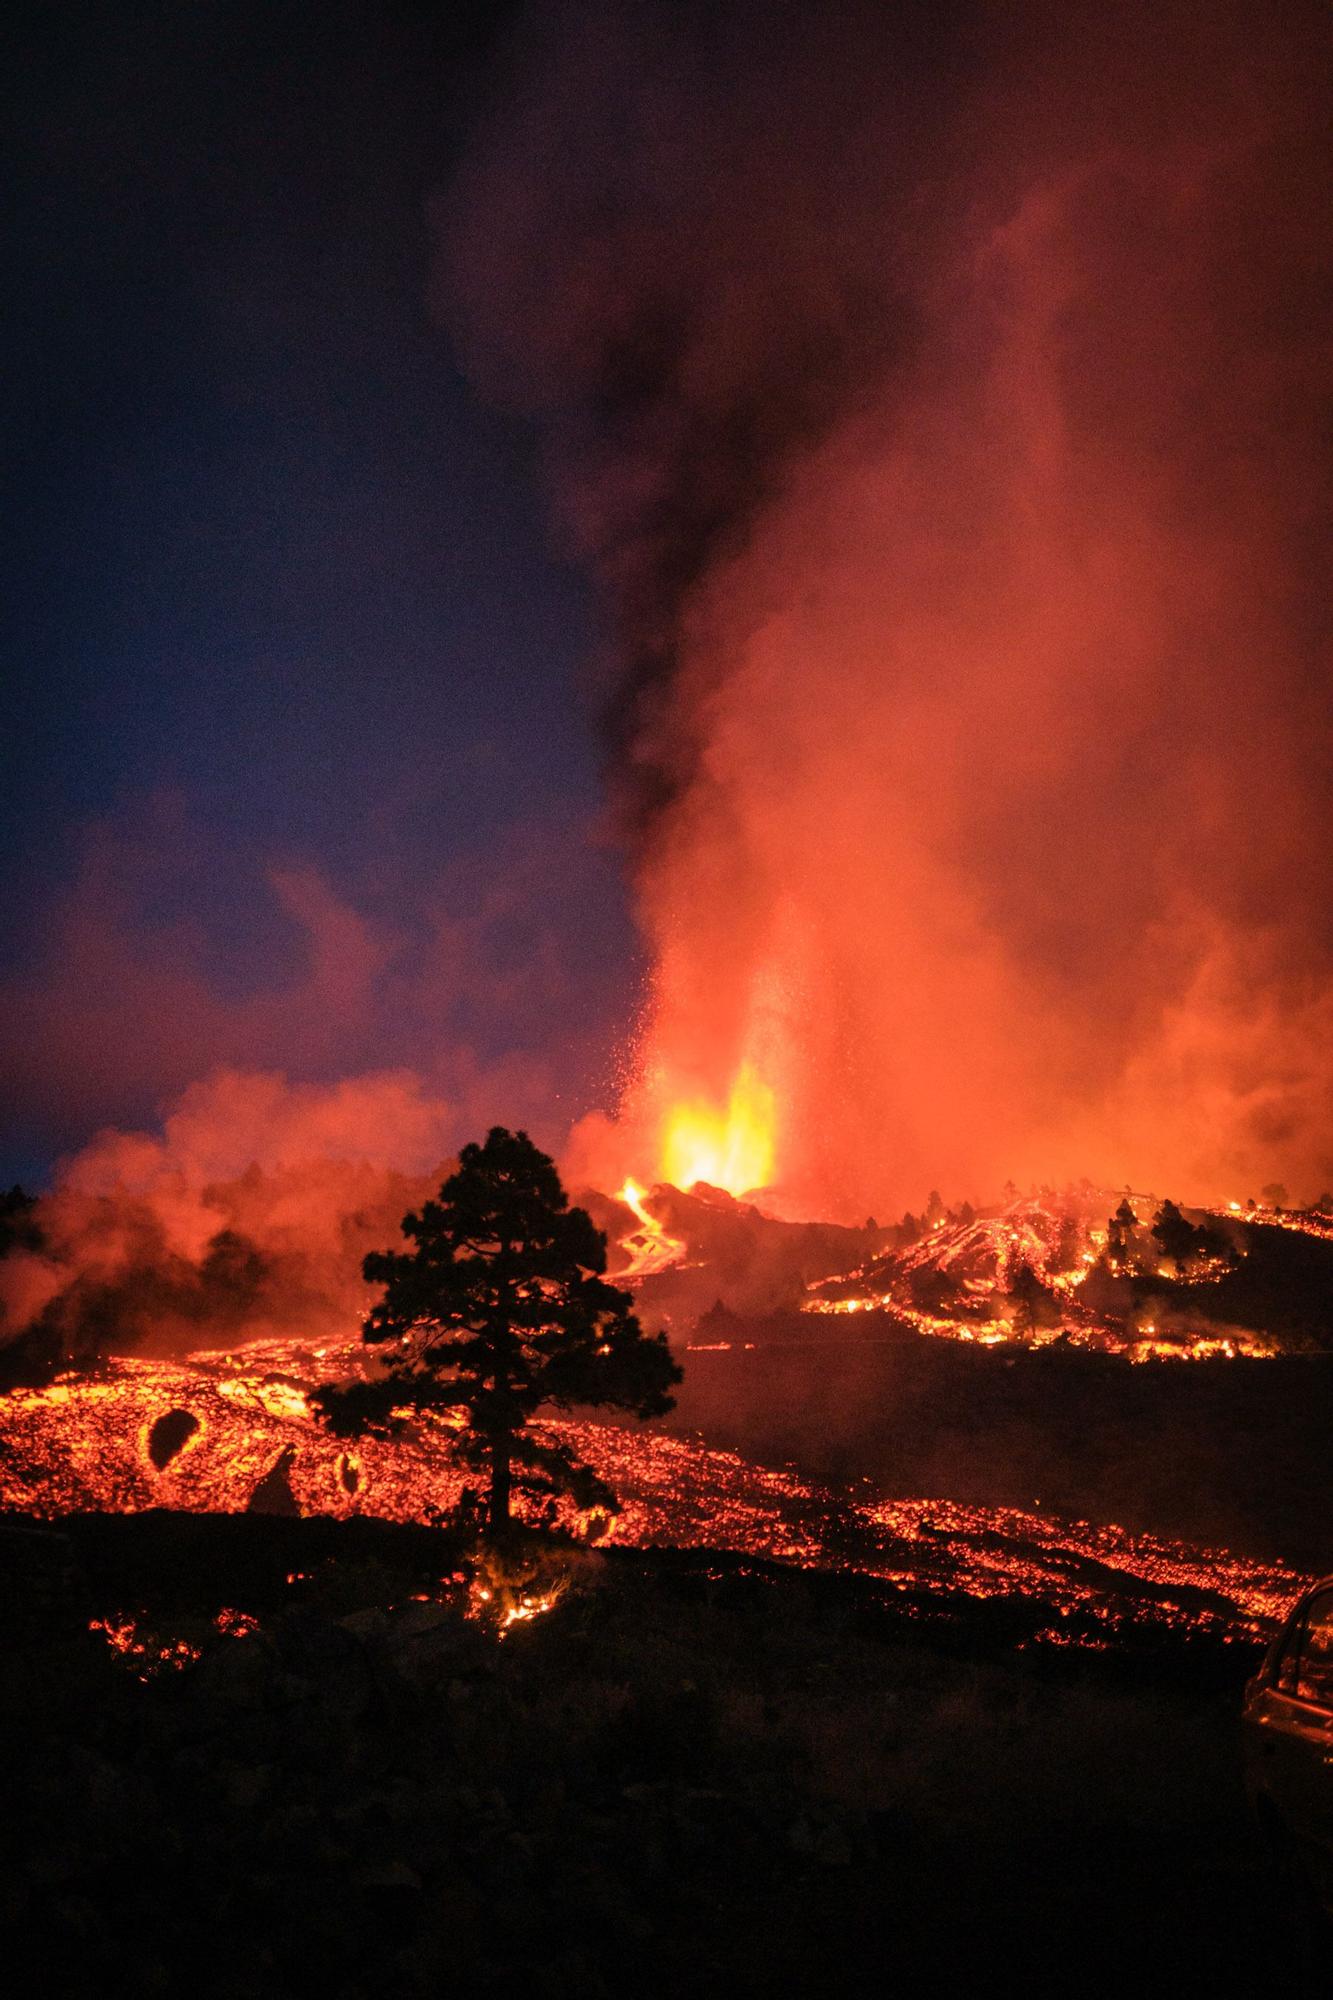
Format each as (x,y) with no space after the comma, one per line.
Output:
(936,395)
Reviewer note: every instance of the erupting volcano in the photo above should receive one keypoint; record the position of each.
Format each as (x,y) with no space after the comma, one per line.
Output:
(927,405)
(950,468)
(731,1148)
(666,1308)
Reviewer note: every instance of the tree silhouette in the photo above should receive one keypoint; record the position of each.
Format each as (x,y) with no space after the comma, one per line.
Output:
(1030,1304)
(1173,1235)
(500,1308)
(1180,1240)
(1120,1234)
(19,1229)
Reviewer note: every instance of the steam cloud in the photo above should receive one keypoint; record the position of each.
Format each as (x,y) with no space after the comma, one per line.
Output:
(935,394)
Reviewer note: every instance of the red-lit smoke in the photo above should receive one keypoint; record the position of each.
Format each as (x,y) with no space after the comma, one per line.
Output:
(248,1214)
(935,393)
(260,1135)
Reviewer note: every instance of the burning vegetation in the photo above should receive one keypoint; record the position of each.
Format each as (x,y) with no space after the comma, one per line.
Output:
(399,1425)
(1144,1283)
(352,1783)
(934,403)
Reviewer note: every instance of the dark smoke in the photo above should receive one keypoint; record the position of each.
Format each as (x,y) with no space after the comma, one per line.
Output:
(675,282)
(939,396)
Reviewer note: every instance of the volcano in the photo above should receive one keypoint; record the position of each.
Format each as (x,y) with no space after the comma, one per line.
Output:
(1048,1267)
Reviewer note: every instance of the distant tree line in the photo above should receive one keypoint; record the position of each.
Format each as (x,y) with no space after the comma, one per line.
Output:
(1186,1244)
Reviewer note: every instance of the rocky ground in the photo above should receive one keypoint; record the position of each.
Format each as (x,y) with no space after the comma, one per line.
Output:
(690,1775)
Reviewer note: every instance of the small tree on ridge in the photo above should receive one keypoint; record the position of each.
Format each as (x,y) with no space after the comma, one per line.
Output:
(500,1308)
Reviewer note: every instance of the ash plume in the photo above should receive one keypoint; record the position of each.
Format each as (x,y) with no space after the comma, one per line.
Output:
(936,394)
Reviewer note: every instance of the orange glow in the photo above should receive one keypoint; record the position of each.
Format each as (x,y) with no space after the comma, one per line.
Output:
(650,1247)
(731,1148)
(978,1260)
(632,1196)
(928,638)
(80,1453)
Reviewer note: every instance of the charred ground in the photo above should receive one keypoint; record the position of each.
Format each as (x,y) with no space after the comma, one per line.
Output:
(697,1771)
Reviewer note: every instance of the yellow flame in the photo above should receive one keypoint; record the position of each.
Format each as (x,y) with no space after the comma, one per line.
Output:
(632,1196)
(731,1149)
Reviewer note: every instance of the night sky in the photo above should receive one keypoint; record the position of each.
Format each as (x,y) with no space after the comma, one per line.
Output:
(278,595)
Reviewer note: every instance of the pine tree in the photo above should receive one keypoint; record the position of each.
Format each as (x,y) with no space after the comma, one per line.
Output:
(1174,1235)
(1030,1305)
(501,1308)
(1120,1235)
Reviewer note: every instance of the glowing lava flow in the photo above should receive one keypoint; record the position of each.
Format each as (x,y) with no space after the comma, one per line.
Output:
(649,1248)
(731,1149)
(1306,1221)
(957,1282)
(86,1443)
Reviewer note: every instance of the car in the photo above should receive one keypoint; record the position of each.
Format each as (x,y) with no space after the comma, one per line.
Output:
(1288,1727)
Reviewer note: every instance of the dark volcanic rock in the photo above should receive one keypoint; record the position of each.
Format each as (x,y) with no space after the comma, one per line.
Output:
(273,1493)
(663,1787)
(169,1435)
(41,1588)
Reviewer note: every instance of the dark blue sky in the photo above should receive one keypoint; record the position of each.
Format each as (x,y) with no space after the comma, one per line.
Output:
(276,587)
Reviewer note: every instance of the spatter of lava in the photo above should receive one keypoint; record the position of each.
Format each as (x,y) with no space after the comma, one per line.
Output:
(220,1432)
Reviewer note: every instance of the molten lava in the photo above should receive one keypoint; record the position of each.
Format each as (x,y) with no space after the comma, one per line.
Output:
(1021,1273)
(731,1149)
(650,1247)
(82,1444)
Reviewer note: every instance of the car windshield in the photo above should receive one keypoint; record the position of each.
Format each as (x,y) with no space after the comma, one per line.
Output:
(1305,1669)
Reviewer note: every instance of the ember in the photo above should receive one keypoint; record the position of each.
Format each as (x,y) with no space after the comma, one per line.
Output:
(513,1590)
(151,1653)
(147,1654)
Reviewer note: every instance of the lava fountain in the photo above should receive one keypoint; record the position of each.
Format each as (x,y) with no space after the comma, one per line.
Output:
(731,1148)
(953,482)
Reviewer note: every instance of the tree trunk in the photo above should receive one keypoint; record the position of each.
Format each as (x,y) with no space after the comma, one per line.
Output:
(500,1483)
